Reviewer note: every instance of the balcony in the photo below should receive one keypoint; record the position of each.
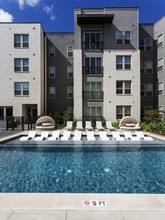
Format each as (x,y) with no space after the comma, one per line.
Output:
(93,46)
(91,118)
(95,95)
(93,71)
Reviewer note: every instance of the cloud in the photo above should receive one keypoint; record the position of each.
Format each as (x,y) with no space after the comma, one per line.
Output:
(5,16)
(52,17)
(31,3)
(49,11)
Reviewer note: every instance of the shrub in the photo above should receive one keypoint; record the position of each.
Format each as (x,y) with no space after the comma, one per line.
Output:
(115,124)
(151,116)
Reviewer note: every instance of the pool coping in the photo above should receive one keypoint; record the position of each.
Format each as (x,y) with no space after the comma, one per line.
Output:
(70,201)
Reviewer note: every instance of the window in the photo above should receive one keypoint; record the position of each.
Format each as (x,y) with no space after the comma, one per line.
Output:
(21,40)
(147,89)
(6,111)
(52,92)
(52,51)
(52,72)
(70,51)
(123,62)
(93,40)
(160,64)
(119,37)
(93,65)
(160,88)
(145,44)
(160,41)
(93,90)
(93,112)
(21,65)
(70,92)
(123,37)
(146,67)
(161,112)
(70,71)
(122,111)
(21,88)
(93,86)
(123,87)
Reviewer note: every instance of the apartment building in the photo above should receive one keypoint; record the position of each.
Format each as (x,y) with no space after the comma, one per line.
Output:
(21,69)
(159,33)
(106,63)
(110,67)
(59,69)
(148,68)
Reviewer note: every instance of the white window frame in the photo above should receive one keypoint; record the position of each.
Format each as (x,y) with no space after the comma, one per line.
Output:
(23,68)
(52,51)
(123,111)
(160,67)
(52,95)
(53,73)
(161,114)
(123,88)
(69,92)
(145,89)
(22,89)
(21,43)
(69,71)
(160,41)
(160,88)
(123,63)
(123,39)
(70,52)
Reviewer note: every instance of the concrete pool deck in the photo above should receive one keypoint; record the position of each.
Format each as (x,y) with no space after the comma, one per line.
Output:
(54,206)
(23,206)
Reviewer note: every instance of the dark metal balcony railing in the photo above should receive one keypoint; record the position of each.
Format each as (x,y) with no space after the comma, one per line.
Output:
(93,45)
(90,118)
(97,71)
(93,95)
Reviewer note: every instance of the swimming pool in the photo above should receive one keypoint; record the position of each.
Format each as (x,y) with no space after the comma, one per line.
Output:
(108,169)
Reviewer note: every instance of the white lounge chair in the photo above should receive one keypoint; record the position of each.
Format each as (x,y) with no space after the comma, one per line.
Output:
(141,136)
(55,136)
(30,136)
(69,125)
(66,136)
(79,125)
(88,125)
(77,136)
(129,136)
(109,126)
(116,136)
(90,136)
(99,125)
(103,136)
(44,135)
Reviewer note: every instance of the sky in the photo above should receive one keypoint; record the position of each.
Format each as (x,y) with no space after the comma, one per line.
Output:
(58,15)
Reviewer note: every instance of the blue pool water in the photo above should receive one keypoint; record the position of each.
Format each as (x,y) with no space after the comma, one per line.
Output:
(82,170)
